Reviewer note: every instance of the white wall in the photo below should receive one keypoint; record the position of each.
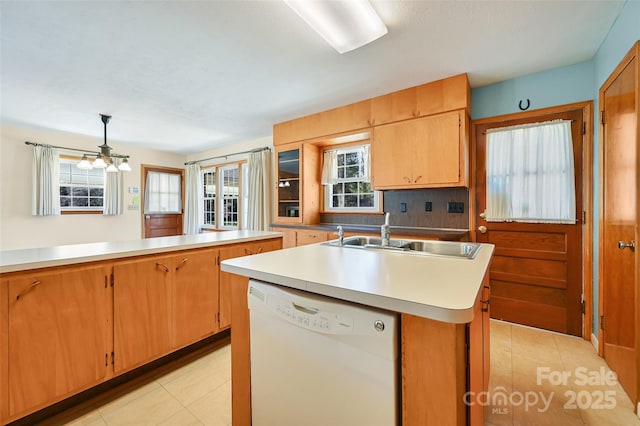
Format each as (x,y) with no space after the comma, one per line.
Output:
(19,229)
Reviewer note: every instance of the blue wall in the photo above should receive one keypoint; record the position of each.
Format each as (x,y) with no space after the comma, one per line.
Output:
(573,83)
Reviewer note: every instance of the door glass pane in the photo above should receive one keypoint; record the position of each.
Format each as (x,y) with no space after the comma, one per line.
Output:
(163,193)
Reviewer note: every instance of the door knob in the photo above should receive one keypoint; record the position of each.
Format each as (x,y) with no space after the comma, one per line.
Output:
(482,229)
(631,245)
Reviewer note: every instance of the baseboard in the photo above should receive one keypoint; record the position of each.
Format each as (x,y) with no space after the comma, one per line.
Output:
(594,343)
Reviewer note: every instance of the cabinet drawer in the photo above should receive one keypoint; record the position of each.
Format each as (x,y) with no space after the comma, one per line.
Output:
(311,237)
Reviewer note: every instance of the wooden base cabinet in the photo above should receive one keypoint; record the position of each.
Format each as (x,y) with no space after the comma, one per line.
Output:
(228,281)
(163,303)
(57,333)
(66,329)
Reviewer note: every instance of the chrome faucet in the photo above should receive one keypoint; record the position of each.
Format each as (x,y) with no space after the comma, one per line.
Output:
(385,231)
(340,236)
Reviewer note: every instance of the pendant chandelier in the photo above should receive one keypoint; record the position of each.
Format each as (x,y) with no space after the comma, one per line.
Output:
(106,158)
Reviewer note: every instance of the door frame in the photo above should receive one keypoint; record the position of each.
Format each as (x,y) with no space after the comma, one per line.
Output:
(144,168)
(587,194)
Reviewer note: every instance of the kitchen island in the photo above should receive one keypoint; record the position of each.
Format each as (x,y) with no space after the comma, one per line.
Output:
(73,317)
(442,302)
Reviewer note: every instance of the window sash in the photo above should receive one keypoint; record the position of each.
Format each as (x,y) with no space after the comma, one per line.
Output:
(80,190)
(350,190)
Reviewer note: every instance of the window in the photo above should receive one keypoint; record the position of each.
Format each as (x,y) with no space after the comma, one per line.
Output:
(209,187)
(163,193)
(228,211)
(351,190)
(230,192)
(80,190)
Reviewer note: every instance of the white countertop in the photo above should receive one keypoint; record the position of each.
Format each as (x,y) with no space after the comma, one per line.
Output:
(439,288)
(26,259)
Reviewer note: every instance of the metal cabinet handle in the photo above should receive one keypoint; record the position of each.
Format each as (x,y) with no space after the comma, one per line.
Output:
(260,249)
(248,252)
(184,261)
(631,245)
(482,229)
(164,267)
(28,289)
(417,179)
(407,179)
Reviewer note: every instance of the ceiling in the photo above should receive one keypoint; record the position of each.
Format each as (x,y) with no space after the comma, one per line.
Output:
(189,76)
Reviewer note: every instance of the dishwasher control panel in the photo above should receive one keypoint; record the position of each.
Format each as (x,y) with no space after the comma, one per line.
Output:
(311,317)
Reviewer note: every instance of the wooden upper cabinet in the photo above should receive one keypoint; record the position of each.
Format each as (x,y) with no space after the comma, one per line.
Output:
(426,152)
(195,296)
(431,98)
(338,120)
(57,335)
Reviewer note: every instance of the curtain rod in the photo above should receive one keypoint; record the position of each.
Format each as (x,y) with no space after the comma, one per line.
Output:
(266,148)
(84,151)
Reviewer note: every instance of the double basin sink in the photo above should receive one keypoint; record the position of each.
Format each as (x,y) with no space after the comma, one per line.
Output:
(432,248)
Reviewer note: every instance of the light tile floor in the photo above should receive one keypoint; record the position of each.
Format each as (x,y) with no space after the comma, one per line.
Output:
(563,379)
(199,393)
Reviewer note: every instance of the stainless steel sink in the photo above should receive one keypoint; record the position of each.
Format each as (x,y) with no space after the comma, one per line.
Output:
(430,248)
(445,248)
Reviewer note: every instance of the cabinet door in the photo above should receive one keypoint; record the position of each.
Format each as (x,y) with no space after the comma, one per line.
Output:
(438,150)
(195,296)
(392,154)
(288,236)
(428,150)
(57,332)
(141,307)
(288,188)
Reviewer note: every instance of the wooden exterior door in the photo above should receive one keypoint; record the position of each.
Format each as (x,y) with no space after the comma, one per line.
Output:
(536,271)
(619,284)
(161,224)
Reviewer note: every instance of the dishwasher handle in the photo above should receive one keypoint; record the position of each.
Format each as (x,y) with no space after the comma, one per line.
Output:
(310,311)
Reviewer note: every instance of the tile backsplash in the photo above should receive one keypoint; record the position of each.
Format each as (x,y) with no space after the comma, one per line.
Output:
(413,201)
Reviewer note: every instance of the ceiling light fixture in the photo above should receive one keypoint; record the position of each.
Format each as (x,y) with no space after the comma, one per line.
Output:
(344,24)
(106,158)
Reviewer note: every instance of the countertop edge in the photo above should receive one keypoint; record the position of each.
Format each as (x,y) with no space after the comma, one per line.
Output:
(454,316)
(135,250)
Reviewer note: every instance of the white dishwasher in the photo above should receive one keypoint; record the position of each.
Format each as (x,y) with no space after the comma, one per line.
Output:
(317,361)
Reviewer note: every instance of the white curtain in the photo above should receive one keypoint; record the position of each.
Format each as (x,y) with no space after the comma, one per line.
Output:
(45,194)
(330,168)
(259,186)
(193,203)
(163,193)
(530,174)
(366,160)
(113,194)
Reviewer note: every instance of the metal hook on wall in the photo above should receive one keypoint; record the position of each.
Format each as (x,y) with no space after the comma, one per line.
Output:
(526,107)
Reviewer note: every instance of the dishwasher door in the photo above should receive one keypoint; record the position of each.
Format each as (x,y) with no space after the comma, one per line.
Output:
(317,361)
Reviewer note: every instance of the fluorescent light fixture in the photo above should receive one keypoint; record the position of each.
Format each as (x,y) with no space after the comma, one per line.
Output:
(344,24)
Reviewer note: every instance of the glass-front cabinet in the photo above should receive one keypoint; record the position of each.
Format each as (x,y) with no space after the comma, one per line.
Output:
(288,185)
